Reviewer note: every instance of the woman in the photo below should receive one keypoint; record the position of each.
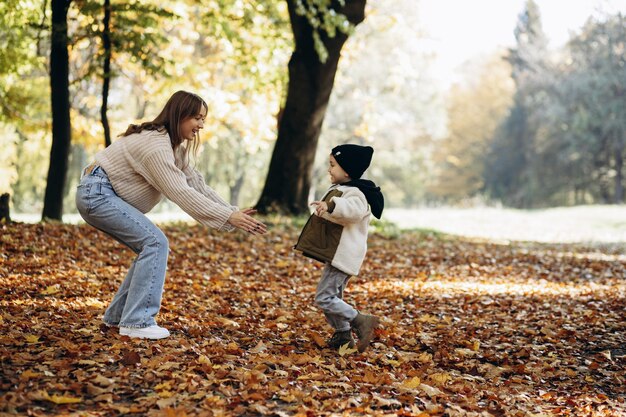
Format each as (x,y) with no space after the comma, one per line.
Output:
(127,180)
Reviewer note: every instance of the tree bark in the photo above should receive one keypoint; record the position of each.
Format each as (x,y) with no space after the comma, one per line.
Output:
(61,124)
(288,180)
(106,43)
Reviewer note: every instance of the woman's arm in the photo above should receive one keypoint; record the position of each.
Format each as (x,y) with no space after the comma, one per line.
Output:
(210,210)
(196,180)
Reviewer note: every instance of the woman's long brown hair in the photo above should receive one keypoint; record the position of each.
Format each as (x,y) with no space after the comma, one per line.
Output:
(180,106)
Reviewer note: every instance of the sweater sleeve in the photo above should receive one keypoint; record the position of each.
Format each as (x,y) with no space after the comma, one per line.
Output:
(350,208)
(196,180)
(163,174)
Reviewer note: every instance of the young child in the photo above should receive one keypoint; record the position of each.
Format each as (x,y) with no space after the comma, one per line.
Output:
(336,234)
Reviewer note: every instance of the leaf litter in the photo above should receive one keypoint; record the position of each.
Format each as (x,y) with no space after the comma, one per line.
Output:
(469,328)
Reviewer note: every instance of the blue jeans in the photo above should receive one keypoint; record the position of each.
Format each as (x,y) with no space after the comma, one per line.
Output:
(138,299)
(329,297)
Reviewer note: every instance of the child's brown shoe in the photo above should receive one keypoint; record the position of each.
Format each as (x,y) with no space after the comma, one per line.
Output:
(339,339)
(364,326)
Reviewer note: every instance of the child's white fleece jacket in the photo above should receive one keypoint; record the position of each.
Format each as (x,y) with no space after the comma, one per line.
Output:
(339,236)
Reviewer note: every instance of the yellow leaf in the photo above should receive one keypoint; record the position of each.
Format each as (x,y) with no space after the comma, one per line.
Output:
(31,338)
(166,394)
(94,302)
(167,366)
(465,352)
(430,391)
(52,289)
(370,377)
(345,349)
(393,362)
(164,385)
(28,374)
(204,360)
(425,357)
(61,399)
(476,345)
(412,383)
(428,318)
(289,398)
(440,378)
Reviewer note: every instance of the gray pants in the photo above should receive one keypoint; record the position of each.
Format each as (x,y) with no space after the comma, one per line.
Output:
(329,297)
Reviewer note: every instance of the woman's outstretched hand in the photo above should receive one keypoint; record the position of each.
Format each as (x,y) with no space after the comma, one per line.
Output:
(243,220)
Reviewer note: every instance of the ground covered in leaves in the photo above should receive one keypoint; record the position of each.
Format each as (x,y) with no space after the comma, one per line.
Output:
(469,329)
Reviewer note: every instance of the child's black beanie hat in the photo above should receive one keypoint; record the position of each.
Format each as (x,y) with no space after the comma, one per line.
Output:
(354,159)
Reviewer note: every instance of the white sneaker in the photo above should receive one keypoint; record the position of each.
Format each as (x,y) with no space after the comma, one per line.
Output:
(152,332)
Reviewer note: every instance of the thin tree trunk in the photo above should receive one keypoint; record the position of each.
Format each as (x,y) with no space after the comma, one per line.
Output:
(235,190)
(18,197)
(61,123)
(5,211)
(288,180)
(619,177)
(106,43)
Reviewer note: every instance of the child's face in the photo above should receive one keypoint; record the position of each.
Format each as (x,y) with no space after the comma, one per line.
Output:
(337,174)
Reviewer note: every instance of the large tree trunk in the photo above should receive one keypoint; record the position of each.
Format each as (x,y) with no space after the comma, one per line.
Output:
(288,180)
(60,99)
(106,43)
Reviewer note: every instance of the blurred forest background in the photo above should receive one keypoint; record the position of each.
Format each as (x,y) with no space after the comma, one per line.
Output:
(530,126)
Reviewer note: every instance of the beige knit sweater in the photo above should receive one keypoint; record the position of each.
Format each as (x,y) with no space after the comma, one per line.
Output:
(142,167)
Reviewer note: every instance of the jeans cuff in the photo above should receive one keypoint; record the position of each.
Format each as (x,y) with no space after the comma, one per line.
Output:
(136,326)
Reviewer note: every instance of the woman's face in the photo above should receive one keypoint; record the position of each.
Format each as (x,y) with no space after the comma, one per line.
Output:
(190,127)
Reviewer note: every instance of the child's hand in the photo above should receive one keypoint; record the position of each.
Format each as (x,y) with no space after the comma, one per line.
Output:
(321,207)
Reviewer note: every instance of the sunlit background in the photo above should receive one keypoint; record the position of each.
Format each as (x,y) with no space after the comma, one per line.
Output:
(502,104)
